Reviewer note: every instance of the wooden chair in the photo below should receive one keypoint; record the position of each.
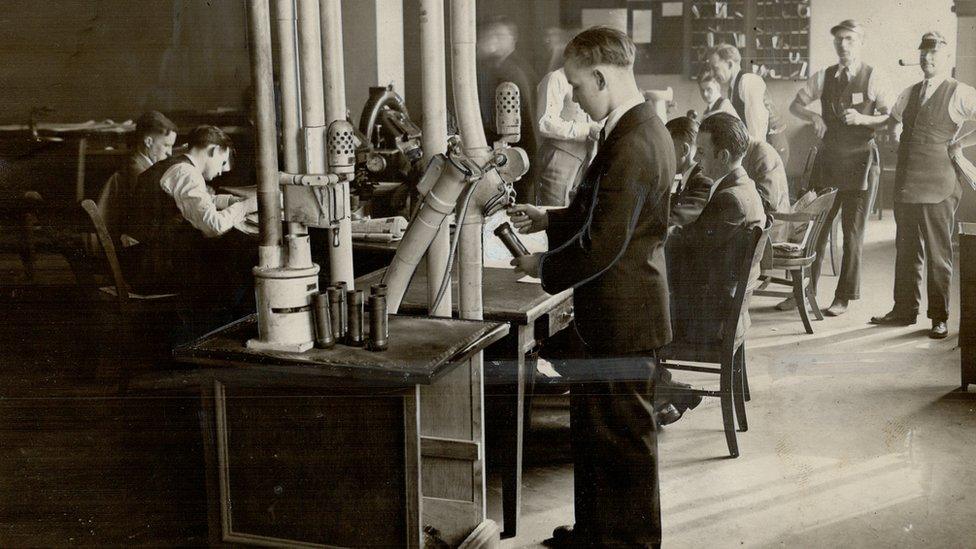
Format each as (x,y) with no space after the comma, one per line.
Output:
(797,257)
(119,290)
(729,351)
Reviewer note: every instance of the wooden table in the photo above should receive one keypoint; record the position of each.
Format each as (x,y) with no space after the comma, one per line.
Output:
(522,306)
(344,446)
(967,303)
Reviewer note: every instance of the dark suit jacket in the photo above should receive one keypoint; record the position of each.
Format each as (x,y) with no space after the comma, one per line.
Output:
(688,202)
(703,261)
(608,244)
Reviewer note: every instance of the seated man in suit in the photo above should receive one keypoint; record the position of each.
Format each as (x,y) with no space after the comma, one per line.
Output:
(693,188)
(176,216)
(702,247)
(152,142)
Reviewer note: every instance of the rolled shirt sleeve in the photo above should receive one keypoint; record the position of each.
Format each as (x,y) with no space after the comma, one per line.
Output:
(881,92)
(813,89)
(553,93)
(962,106)
(188,189)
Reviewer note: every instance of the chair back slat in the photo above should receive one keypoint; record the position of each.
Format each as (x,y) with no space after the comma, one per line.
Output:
(108,247)
(749,246)
(819,209)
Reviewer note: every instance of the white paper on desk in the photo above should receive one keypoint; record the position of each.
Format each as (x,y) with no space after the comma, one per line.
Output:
(616,18)
(642,26)
(530,280)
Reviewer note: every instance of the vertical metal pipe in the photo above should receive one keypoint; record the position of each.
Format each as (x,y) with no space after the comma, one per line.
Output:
(269,210)
(313,101)
(288,81)
(470,260)
(340,257)
(434,98)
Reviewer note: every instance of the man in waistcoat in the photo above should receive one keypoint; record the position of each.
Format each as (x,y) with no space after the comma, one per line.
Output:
(750,98)
(927,191)
(176,215)
(854,100)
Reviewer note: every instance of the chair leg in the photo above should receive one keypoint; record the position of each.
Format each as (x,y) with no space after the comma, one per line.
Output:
(812,298)
(797,276)
(834,245)
(738,390)
(726,390)
(745,375)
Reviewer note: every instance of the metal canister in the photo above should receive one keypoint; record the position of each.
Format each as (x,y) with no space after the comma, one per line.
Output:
(337,301)
(324,338)
(345,311)
(379,323)
(511,241)
(378,289)
(355,336)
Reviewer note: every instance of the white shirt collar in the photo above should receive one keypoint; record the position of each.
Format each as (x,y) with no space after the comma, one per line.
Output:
(618,113)
(936,81)
(852,70)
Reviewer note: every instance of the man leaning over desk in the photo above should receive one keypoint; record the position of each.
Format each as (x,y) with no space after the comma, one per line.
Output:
(175,213)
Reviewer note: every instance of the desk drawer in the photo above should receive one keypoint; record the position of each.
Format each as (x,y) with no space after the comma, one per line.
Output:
(560,317)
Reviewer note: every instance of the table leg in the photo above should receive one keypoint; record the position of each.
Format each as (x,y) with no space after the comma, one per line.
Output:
(511,436)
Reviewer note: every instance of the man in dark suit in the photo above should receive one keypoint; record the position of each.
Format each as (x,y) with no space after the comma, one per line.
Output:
(704,245)
(608,245)
(693,189)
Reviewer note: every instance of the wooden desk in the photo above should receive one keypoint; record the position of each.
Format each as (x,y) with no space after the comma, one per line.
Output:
(521,305)
(967,303)
(344,446)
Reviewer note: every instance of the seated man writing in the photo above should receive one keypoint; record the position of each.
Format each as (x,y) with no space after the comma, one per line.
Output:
(176,215)
(702,287)
(694,189)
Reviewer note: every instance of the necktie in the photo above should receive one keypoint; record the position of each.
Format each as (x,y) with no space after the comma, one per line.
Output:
(602,140)
(843,79)
(923,91)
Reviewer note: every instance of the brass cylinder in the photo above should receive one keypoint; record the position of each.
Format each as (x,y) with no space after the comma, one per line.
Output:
(379,327)
(324,338)
(355,335)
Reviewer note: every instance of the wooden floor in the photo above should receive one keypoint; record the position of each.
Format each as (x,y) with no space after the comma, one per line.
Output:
(856,436)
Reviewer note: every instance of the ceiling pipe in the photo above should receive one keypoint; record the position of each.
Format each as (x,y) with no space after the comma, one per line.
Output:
(340,254)
(262,79)
(465,71)
(286,21)
(434,100)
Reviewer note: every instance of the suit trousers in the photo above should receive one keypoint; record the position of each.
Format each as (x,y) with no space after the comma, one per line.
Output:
(559,173)
(924,231)
(614,438)
(854,208)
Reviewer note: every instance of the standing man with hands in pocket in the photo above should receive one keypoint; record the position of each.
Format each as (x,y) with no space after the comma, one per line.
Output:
(608,245)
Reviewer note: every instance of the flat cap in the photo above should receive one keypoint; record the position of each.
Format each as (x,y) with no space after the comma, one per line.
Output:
(932,40)
(850,25)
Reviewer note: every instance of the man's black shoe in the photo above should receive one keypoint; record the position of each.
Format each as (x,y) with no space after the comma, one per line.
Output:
(893,319)
(939,330)
(563,536)
(666,415)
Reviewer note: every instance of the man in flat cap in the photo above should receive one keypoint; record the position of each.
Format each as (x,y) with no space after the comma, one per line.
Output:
(927,191)
(854,100)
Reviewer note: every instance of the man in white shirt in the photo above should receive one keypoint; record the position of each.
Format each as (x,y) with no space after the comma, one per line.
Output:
(566,131)
(174,207)
(750,98)
(854,99)
(927,190)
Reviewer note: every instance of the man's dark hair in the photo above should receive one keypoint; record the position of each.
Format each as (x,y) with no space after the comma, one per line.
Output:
(203,136)
(153,122)
(728,133)
(684,129)
(500,21)
(601,46)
